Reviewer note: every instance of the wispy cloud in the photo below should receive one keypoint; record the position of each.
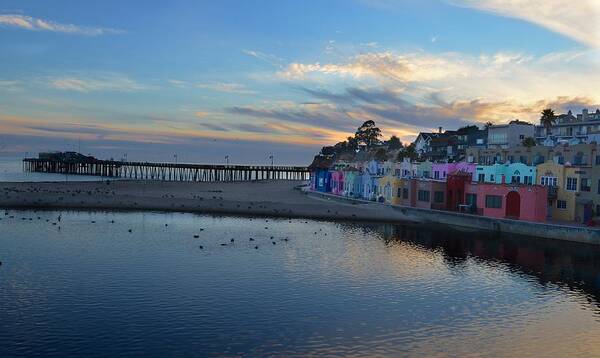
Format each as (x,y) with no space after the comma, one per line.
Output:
(36,24)
(106,82)
(268,58)
(574,19)
(384,65)
(226,87)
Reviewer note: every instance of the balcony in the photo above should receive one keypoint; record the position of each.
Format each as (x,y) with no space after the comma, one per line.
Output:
(552,192)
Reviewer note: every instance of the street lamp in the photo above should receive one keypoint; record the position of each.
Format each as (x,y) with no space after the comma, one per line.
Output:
(175,156)
(271,157)
(227,160)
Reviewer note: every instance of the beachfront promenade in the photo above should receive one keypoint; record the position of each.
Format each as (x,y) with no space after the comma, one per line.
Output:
(163,171)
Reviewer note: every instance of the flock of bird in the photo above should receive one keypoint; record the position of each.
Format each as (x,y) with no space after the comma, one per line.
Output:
(57,221)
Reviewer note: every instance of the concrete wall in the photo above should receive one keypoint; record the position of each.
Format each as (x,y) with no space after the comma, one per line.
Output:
(398,214)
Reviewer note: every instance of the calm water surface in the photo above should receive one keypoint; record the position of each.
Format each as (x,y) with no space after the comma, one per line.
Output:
(93,288)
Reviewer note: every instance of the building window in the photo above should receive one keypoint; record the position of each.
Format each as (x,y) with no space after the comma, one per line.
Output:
(436,174)
(492,179)
(521,136)
(549,181)
(493,201)
(561,204)
(572,184)
(598,190)
(399,192)
(481,178)
(425,174)
(423,195)
(515,180)
(472,200)
(523,159)
(585,184)
(438,196)
(405,193)
(598,160)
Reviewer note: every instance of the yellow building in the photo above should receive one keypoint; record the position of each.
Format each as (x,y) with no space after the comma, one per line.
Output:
(564,189)
(388,187)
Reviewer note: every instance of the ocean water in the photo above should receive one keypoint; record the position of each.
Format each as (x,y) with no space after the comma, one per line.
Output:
(88,286)
(11,170)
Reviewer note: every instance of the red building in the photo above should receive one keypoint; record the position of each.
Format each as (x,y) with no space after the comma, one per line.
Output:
(455,189)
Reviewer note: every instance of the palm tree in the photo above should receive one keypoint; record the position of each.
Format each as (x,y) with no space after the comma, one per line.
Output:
(547,119)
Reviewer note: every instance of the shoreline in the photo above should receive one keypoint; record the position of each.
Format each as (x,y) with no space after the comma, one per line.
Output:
(269,198)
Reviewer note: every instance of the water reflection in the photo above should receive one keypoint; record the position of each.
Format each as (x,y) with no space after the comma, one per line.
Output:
(569,265)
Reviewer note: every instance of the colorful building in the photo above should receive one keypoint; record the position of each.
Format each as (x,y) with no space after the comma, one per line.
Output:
(441,170)
(352,182)
(513,173)
(424,169)
(518,202)
(571,197)
(390,187)
(430,194)
(369,178)
(337,181)
(320,177)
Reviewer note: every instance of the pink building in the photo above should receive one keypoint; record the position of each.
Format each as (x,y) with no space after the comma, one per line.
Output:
(520,202)
(441,170)
(337,182)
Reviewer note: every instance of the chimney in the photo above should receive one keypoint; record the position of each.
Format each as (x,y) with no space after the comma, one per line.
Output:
(440,130)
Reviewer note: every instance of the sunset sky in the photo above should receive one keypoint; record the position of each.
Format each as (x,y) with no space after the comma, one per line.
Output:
(205,79)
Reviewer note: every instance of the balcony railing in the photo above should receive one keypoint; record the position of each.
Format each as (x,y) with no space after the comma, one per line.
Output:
(552,192)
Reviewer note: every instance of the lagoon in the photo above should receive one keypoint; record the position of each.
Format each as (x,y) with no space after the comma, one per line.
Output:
(88,286)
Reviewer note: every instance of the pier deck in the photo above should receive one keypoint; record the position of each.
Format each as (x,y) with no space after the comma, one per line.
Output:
(165,171)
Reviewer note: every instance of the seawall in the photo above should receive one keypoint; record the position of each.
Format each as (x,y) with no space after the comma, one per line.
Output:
(475,222)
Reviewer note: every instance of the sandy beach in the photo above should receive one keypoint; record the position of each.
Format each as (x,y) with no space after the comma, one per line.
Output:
(264,198)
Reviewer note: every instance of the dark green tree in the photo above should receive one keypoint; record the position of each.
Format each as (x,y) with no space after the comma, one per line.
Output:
(394,143)
(381,155)
(528,142)
(368,133)
(409,152)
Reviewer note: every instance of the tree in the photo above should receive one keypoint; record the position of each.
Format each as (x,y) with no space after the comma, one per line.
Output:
(548,118)
(488,125)
(409,152)
(528,142)
(468,129)
(381,155)
(394,143)
(368,133)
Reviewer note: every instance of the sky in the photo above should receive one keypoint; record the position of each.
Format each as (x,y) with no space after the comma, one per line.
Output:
(249,79)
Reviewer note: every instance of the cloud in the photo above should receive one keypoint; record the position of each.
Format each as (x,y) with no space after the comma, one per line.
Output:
(268,58)
(107,82)
(574,19)
(226,87)
(413,67)
(35,24)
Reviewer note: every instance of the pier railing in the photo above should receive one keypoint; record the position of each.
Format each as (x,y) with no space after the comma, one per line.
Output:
(165,171)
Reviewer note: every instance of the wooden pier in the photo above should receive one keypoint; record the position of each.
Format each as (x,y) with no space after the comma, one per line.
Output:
(165,171)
